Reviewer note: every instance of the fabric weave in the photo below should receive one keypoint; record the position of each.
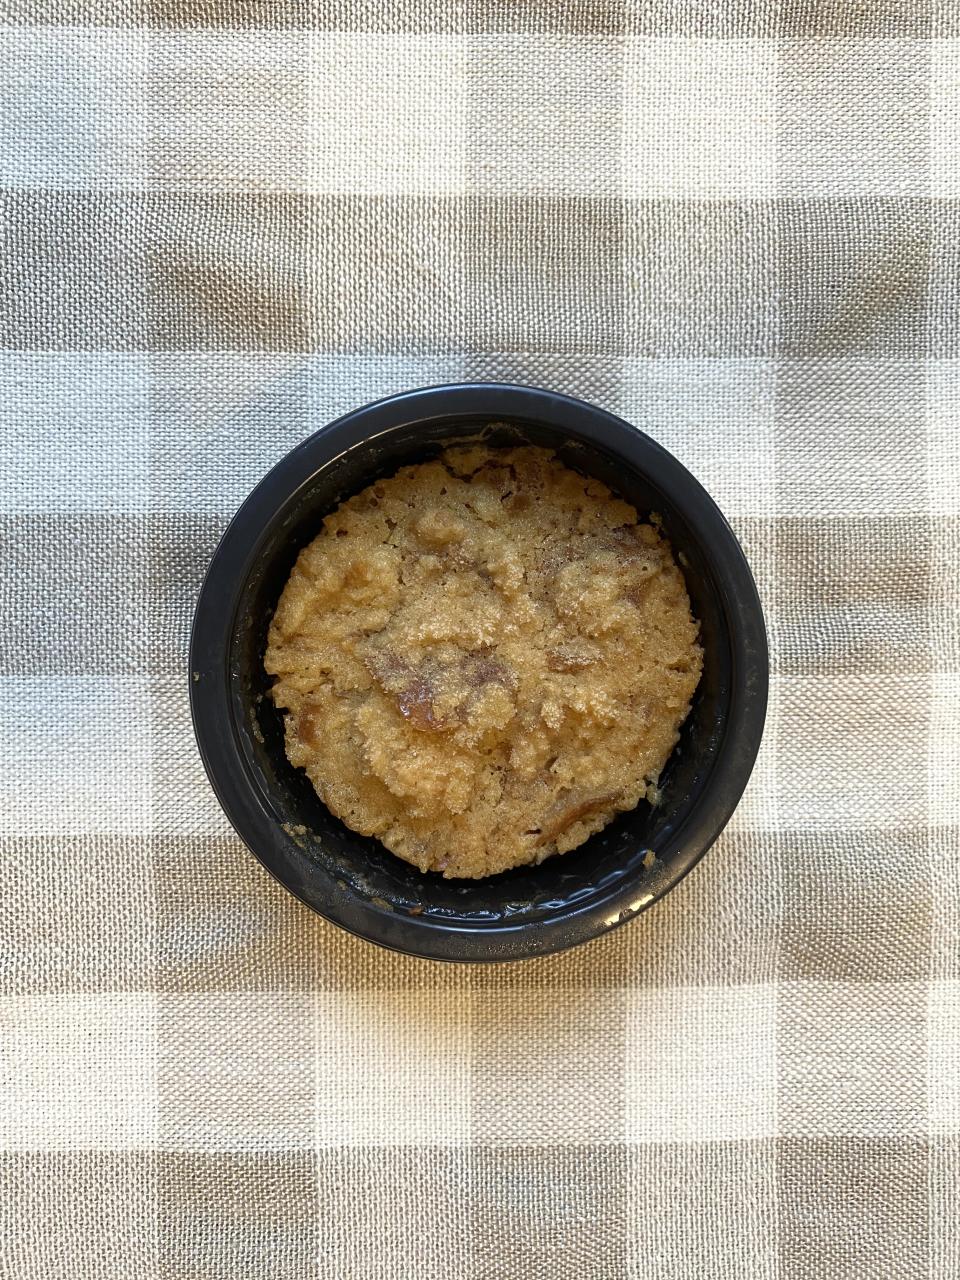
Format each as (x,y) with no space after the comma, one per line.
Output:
(736,225)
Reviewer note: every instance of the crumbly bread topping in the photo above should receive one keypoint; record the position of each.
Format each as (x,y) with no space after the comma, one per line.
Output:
(483,659)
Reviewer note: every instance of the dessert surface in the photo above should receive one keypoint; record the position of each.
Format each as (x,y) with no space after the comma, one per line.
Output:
(483,659)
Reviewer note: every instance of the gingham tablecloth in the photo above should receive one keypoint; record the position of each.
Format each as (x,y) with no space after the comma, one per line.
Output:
(736,224)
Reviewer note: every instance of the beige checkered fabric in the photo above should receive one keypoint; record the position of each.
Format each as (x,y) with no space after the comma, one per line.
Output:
(737,224)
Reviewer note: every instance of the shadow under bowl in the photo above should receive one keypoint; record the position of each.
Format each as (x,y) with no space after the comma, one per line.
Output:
(353,880)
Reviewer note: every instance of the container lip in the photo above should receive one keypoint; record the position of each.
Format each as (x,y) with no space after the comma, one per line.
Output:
(235,557)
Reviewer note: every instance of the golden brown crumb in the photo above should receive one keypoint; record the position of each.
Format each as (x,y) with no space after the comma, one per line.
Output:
(483,659)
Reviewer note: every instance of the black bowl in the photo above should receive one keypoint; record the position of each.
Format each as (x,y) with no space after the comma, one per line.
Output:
(352,880)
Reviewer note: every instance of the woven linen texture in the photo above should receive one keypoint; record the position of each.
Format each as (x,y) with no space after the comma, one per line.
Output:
(736,224)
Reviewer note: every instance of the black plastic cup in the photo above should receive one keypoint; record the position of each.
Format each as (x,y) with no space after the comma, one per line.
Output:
(352,880)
